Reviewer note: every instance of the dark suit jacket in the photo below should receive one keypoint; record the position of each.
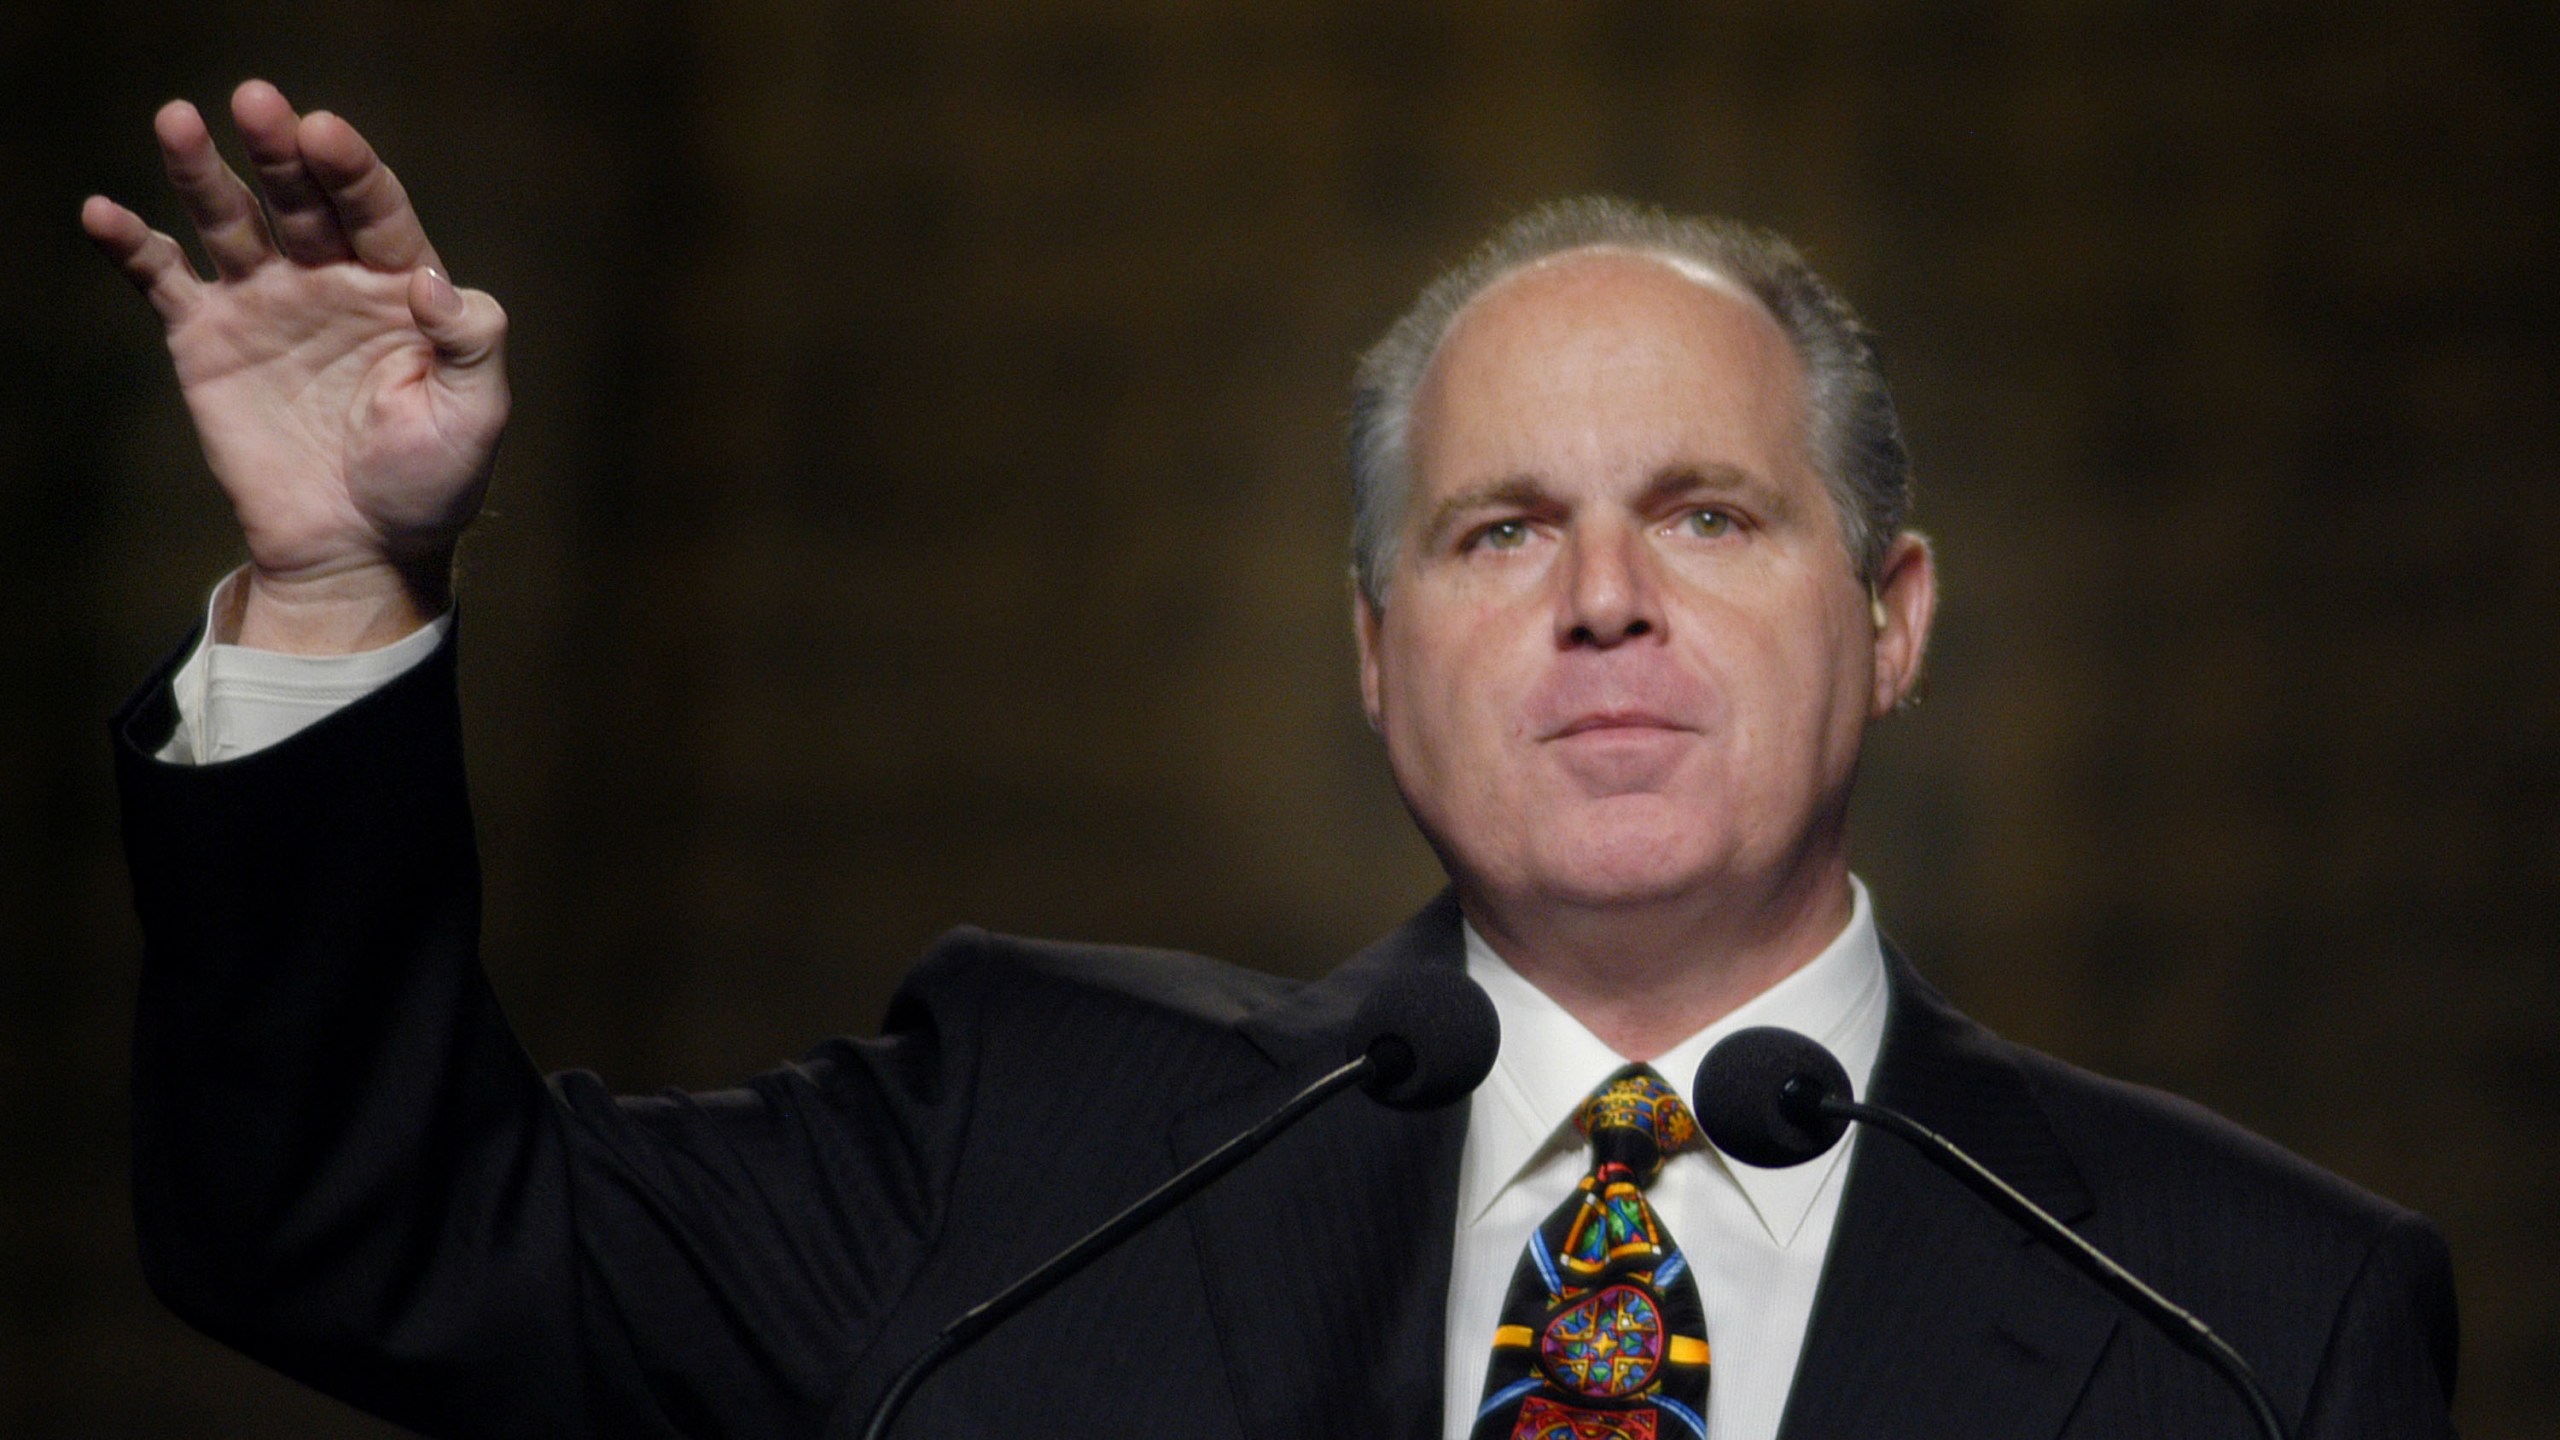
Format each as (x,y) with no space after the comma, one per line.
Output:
(345,1166)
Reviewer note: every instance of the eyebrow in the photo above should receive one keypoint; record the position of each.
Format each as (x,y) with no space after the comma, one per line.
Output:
(1713,478)
(1673,482)
(1515,492)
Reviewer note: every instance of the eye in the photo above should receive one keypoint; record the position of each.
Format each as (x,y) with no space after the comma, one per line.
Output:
(1504,535)
(1707,524)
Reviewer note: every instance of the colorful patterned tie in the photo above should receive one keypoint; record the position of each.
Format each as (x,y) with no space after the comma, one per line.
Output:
(1602,1335)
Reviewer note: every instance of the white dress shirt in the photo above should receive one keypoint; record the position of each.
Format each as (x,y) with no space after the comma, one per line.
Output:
(1755,1238)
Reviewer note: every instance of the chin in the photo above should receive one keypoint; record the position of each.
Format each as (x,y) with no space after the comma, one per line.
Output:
(1627,864)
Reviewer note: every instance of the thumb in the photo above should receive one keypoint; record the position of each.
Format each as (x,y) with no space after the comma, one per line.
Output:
(467,328)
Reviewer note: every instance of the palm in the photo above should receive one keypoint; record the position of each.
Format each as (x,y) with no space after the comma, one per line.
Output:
(348,397)
(317,400)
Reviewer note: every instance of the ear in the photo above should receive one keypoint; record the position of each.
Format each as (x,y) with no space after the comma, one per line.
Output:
(1365,620)
(1905,602)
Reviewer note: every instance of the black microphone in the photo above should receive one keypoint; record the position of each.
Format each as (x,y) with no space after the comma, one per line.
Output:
(1423,1038)
(1773,1098)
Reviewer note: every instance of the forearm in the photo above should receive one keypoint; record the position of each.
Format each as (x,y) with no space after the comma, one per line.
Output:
(343,1163)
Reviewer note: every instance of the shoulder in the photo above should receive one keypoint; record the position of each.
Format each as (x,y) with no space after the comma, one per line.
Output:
(1028,1040)
(2271,1248)
(1022,980)
(1050,1015)
(2150,1151)
(2128,1154)
(2342,1298)
(2317,1280)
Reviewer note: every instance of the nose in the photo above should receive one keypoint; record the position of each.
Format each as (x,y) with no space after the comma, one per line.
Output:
(1611,594)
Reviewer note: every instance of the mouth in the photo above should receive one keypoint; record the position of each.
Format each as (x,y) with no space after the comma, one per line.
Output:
(1603,722)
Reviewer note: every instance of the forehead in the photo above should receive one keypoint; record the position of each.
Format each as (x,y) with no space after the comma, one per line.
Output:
(1600,350)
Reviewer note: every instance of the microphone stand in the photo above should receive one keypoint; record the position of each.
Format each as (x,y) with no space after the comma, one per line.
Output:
(1804,1095)
(994,1310)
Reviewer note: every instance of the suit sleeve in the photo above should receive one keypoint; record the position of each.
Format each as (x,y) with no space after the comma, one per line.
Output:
(345,1166)
(2388,1371)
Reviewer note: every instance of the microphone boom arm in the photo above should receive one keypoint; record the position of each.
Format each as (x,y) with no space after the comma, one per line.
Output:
(997,1308)
(1807,1098)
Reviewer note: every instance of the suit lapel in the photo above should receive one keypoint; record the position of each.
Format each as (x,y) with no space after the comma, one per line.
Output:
(1936,1316)
(1326,1257)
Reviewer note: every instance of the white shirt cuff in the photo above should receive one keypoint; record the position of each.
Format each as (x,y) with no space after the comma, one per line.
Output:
(235,701)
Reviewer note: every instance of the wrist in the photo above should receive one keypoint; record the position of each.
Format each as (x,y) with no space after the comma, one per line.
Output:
(339,611)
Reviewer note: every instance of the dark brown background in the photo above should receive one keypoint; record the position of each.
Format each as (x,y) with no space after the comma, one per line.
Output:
(924,506)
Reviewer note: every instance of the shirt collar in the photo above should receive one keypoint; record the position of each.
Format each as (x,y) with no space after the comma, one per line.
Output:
(1549,1063)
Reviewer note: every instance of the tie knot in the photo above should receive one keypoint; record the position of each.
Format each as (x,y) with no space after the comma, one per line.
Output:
(1637,1120)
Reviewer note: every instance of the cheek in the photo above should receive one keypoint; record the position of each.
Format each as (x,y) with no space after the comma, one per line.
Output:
(1440,672)
(1792,692)
(1452,714)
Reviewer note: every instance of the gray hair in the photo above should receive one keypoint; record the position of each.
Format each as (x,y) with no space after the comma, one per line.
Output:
(1854,433)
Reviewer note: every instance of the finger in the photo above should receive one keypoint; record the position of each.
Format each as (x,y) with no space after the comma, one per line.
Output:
(151,260)
(372,209)
(306,228)
(225,213)
(467,328)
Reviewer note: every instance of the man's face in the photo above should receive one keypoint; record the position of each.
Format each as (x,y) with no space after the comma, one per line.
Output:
(1624,656)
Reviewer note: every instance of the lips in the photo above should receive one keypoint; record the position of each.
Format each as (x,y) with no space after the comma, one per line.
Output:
(1622,696)
(1605,721)
(1620,749)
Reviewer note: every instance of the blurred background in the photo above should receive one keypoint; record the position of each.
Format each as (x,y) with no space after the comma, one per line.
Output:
(924,507)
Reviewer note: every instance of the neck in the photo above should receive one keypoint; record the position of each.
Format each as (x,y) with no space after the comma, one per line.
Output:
(1644,977)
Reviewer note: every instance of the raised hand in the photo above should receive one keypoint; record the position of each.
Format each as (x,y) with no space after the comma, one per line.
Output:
(348,396)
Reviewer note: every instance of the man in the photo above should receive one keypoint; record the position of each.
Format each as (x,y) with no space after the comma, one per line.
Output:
(1633,580)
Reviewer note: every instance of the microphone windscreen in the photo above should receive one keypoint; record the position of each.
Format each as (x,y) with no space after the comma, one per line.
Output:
(1742,1102)
(1431,1034)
